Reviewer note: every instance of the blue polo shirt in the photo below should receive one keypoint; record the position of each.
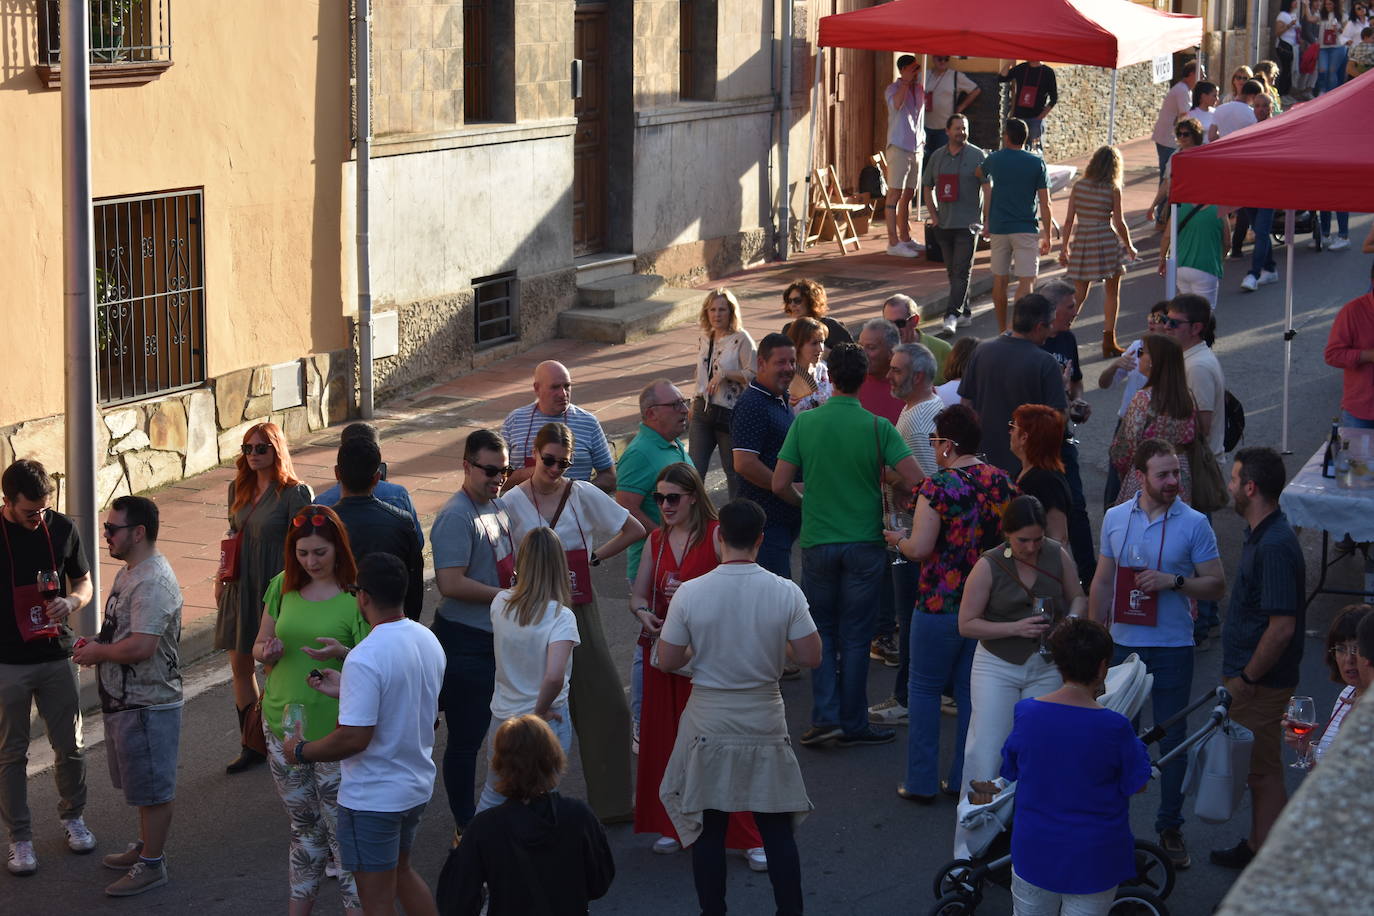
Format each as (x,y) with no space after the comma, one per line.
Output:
(1271,580)
(1188,542)
(759,424)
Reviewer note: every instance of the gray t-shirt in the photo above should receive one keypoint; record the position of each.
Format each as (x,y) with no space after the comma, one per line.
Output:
(478,537)
(145,599)
(967,208)
(1003,374)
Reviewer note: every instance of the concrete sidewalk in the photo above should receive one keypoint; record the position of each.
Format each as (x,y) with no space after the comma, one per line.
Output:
(422,435)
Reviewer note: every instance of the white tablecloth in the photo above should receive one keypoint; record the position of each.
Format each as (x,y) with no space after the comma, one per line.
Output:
(1060,176)
(1313,501)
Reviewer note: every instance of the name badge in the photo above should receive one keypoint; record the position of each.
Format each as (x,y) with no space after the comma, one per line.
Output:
(1026,97)
(947,188)
(1131,604)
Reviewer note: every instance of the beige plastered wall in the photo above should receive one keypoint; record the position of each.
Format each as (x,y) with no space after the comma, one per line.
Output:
(255,110)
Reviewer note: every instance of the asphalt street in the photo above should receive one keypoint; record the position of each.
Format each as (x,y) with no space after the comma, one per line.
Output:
(863,849)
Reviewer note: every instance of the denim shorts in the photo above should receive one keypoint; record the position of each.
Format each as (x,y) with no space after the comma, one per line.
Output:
(374,840)
(141,747)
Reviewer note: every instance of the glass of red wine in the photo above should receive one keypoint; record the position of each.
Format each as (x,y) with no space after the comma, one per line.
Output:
(49,585)
(1301,720)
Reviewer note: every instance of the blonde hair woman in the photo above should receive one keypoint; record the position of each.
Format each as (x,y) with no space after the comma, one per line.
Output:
(725,360)
(1238,79)
(533,634)
(1102,245)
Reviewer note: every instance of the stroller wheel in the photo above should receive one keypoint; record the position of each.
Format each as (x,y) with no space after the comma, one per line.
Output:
(1135,902)
(1154,872)
(954,904)
(956,877)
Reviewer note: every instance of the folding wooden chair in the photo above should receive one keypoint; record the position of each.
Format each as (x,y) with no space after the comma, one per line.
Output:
(828,206)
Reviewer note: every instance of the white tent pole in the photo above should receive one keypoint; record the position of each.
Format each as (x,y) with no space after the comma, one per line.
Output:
(921,148)
(1111,114)
(1171,265)
(1288,331)
(811,146)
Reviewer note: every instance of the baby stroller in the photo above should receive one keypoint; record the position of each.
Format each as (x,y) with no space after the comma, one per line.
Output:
(958,886)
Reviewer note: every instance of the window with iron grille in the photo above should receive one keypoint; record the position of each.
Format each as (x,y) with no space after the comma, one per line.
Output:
(150,295)
(494,309)
(686,63)
(131,40)
(476,61)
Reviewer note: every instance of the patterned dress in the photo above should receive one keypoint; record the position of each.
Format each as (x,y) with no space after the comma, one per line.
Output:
(1096,252)
(969,502)
(1141,423)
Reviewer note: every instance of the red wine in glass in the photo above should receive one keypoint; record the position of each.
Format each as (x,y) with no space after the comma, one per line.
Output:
(1302,728)
(49,586)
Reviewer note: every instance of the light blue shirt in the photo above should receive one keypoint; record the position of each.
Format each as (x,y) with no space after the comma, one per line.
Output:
(393,494)
(1188,542)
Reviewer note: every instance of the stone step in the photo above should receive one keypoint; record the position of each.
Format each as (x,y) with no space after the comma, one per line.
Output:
(670,307)
(617,291)
(603,266)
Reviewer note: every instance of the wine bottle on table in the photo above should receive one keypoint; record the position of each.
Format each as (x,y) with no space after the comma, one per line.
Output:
(1333,447)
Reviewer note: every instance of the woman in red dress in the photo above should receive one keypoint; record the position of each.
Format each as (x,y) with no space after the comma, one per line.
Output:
(682,548)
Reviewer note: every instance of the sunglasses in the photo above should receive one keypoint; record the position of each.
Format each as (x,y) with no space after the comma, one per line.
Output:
(793,300)
(1173,323)
(262,448)
(901,322)
(111,529)
(492,470)
(1157,319)
(671,499)
(549,461)
(314,519)
(679,404)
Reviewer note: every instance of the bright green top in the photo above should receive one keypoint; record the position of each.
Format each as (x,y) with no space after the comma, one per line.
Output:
(1200,241)
(836,446)
(298,623)
(637,470)
(940,350)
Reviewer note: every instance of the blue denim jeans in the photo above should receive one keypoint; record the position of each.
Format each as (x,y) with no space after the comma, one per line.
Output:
(1165,153)
(1330,69)
(1342,224)
(469,679)
(775,553)
(1262,258)
(906,580)
(842,583)
(1172,667)
(938,654)
(1349,419)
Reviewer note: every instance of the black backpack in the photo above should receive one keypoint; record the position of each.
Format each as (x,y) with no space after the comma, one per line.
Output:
(871,181)
(1235,422)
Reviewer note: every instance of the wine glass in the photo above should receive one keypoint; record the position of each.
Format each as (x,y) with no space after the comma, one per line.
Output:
(1135,557)
(898,521)
(1040,608)
(293,720)
(1301,720)
(49,584)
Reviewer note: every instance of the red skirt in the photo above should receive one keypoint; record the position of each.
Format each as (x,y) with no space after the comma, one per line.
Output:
(665,697)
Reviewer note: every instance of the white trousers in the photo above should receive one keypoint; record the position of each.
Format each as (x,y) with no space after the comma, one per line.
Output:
(996,687)
(1029,900)
(1199,282)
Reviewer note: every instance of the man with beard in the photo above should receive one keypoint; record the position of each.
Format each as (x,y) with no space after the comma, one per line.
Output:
(1157,552)
(1261,646)
(758,427)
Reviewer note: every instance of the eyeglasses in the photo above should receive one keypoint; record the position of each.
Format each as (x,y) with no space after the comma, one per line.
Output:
(30,513)
(111,529)
(936,440)
(1348,651)
(262,448)
(550,461)
(315,519)
(679,404)
(492,470)
(671,499)
(1173,323)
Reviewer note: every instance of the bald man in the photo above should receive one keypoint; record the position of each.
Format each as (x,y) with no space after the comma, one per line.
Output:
(553,404)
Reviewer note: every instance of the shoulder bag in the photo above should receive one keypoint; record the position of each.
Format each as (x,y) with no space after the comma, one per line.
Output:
(1209,489)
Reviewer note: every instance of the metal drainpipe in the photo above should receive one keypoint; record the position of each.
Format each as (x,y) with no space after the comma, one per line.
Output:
(785,126)
(363,149)
(78,269)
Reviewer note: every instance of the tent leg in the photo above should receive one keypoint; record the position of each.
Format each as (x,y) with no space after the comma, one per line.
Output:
(920,152)
(1288,332)
(1111,114)
(811,148)
(1171,265)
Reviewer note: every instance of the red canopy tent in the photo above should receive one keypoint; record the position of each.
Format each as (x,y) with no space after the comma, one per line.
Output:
(1098,33)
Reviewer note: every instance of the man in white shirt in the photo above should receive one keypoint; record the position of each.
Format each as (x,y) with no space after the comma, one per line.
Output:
(943,87)
(1175,106)
(906,102)
(1235,114)
(388,705)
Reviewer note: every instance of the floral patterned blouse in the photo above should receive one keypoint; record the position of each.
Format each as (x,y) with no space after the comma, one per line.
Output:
(969,502)
(1141,423)
(816,382)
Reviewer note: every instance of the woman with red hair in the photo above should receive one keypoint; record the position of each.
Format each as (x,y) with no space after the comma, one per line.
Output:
(263,497)
(1037,439)
(311,621)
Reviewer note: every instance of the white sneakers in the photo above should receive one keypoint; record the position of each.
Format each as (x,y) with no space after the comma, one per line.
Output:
(889,712)
(950,325)
(22,860)
(904,250)
(965,319)
(1249,284)
(756,859)
(666,846)
(80,840)
(1268,276)
(1339,243)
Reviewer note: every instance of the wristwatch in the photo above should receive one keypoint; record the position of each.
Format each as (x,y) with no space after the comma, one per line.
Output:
(1178,582)
(595,560)
(300,758)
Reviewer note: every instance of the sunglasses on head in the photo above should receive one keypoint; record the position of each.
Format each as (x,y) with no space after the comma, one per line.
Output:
(671,499)
(492,470)
(261,448)
(549,461)
(311,516)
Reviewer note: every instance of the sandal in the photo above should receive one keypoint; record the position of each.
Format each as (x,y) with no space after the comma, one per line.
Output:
(903,792)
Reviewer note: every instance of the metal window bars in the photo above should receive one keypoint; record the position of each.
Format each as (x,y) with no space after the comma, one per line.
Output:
(122,31)
(150,295)
(494,306)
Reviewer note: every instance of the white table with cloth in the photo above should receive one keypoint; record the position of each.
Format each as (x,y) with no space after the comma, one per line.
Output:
(1342,506)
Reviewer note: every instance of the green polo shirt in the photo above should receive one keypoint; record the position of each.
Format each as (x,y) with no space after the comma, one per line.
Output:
(837,447)
(940,350)
(637,470)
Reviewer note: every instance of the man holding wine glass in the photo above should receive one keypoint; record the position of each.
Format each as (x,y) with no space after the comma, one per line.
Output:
(1157,552)
(1263,636)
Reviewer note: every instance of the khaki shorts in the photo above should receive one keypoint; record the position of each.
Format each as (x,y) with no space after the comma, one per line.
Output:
(1261,710)
(1017,253)
(903,168)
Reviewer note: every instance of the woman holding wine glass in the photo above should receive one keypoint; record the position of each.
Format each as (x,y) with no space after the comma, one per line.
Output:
(1342,653)
(999,610)
(682,548)
(311,621)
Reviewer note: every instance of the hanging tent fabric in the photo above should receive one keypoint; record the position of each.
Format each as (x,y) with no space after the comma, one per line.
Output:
(1272,165)
(1097,33)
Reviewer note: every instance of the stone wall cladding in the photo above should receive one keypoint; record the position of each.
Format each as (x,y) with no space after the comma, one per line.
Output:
(1078,124)
(417,66)
(692,262)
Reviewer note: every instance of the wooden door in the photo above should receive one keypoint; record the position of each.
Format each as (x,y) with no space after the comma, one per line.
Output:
(589,143)
(849,107)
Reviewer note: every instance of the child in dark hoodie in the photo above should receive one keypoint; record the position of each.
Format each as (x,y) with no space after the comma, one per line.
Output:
(538,853)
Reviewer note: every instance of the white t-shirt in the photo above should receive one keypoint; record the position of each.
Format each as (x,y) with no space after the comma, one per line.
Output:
(1204,117)
(1175,106)
(599,516)
(391,680)
(1132,377)
(1333,727)
(1232,117)
(522,655)
(943,91)
(738,619)
(1208,385)
(1289,28)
